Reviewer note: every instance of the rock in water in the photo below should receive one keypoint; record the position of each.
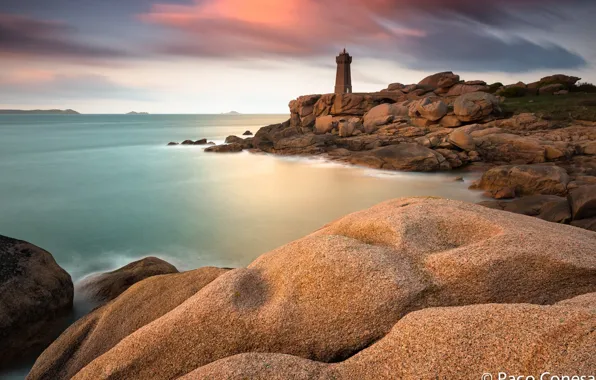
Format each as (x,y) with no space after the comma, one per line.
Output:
(35,295)
(107,286)
(247,133)
(227,148)
(332,294)
(246,143)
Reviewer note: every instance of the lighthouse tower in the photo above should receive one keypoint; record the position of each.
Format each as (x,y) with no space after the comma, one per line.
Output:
(343,80)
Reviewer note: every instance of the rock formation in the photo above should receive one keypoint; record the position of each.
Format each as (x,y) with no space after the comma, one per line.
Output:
(411,288)
(227,148)
(36,295)
(105,287)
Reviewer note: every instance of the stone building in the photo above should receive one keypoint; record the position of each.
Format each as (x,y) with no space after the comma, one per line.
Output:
(343,80)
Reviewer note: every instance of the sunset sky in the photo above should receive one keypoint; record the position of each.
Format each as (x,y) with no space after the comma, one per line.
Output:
(253,56)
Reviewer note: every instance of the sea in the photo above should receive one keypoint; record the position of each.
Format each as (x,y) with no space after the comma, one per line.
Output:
(100,191)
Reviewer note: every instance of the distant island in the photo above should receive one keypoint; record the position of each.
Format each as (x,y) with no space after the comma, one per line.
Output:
(232,113)
(138,113)
(39,112)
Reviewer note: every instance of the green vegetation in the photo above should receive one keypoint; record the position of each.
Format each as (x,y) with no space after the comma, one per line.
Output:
(574,106)
(584,87)
(494,87)
(513,92)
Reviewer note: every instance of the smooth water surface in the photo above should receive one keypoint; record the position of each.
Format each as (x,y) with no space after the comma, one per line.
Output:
(99,191)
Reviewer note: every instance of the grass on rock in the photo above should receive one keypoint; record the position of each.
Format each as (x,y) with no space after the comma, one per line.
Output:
(573,106)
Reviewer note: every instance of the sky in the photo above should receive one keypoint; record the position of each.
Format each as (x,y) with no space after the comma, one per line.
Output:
(254,56)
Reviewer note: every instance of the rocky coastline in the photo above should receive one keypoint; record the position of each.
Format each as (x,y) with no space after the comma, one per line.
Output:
(444,123)
(413,288)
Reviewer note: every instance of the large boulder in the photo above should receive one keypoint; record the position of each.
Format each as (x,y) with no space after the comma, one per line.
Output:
(566,80)
(475,106)
(471,342)
(382,115)
(324,124)
(348,127)
(339,290)
(587,224)
(583,202)
(36,294)
(303,110)
(550,89)
(551,208)
(525,180)
(523,122)
(440,80)
(105,287)
(462,140)
(464,88)
(266,137)
(102,329)
(510,148)
(429,109)
(403,157)
(246,143)
(352,104)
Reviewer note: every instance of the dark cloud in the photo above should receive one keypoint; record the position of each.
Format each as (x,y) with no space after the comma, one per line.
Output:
(20,35)
(421,34)
(467,51)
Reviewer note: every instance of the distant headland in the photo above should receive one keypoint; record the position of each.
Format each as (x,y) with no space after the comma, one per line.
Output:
(232,113)
(39,112)
(138,113)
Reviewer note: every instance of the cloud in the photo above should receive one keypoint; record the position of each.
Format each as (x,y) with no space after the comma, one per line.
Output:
(45,86)
(27,36)
(420,34)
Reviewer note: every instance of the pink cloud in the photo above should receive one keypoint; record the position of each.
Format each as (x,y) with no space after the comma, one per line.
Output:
(289,27)
(441,34)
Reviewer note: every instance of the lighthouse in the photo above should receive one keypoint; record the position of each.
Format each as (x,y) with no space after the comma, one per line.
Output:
(343,80)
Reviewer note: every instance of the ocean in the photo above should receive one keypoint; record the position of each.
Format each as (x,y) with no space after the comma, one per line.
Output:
(100,191)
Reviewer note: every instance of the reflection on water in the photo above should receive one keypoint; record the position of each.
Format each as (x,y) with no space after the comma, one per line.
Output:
(101,191)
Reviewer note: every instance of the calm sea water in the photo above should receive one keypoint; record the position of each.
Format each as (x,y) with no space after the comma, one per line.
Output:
(99,191)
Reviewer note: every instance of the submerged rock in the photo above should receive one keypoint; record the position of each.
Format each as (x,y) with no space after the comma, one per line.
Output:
(36,294)
(227,148)
(105,287)
(346,287)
